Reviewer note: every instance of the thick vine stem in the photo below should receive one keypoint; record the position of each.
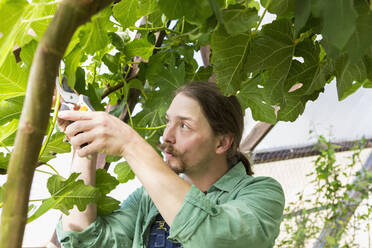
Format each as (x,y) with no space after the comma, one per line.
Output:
(35,114)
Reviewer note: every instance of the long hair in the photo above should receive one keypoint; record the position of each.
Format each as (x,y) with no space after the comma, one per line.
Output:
(224,115)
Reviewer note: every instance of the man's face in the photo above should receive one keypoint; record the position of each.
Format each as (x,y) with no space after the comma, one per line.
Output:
(189,142)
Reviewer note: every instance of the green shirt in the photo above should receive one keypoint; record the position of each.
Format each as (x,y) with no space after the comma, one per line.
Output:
(237,211)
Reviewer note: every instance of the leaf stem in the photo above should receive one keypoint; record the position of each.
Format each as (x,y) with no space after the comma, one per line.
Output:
(51,167)
(152,134)
(36,200)
(183,24)
(163,47)
(127,72)
(6,148)
(45,3)
(37,19)
(46,172)
(45,143)
(134,63)
(262,17)
(129,114)
(125,98)
(150,128)
(157,29)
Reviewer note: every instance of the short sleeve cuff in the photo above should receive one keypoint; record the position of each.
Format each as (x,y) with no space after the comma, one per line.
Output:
(85,238)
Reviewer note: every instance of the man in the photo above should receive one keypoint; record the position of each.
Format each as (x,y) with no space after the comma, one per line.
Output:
(217,203)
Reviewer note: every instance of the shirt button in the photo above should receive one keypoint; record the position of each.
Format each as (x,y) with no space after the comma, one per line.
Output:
(214,210)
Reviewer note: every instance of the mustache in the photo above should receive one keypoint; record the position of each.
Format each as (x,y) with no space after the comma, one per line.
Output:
(166,147)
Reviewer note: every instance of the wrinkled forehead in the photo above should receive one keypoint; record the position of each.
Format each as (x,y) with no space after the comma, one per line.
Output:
(185,106)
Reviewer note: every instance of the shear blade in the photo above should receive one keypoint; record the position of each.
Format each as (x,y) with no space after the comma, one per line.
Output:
(67,93)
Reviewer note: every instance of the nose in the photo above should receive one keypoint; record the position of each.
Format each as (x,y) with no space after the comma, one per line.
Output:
(169,135)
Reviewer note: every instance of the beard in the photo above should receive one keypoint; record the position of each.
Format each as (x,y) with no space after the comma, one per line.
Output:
(179,167)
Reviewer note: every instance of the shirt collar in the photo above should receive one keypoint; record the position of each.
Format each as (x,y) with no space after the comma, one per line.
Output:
(228,181)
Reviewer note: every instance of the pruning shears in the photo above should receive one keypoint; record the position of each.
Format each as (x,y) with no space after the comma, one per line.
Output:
(72,100)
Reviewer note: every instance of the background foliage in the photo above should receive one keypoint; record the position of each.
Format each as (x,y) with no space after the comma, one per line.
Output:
(274,69)
(338,190)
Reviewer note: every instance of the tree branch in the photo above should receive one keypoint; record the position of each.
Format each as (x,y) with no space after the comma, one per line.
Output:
(35,115)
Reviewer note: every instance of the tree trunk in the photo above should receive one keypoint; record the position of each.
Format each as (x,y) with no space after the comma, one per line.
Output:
(35,115)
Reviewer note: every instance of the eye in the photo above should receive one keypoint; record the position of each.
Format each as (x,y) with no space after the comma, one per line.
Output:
(184,126)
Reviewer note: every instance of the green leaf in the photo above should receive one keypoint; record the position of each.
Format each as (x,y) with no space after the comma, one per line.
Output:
(125,12)
(95,93)
(111,158)
(13,79)
(146,7)
(74,41)
(106,205)
(312,73)
(12,10)
(195,11)
(272,54)
(42,16)
(72,62)
(45,206)
(346,74)
(105,183)
(70,192)
(301,14)
(295,105)
(252,96)
(139,47)
(216,6)
(27,53)
(368,62)
(23,22)
(8,129)
(228,59)
(339,19)
(156,18)
(361,39)
(54,146)
(124,172)
(203,74)
(239,20)
(118,40)
(134,84)
(93,36)
(80,81)
(279,7)
(10,109)
(112,62)
(163,74)
(272,50)
(4,160)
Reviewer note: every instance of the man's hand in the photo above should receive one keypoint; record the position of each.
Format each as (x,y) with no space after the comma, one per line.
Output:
(104,133)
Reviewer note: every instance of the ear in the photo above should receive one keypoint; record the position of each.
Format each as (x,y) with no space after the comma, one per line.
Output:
(224,142)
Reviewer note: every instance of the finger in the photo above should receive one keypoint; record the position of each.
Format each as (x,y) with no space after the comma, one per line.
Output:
(82,139)
(76,115)
(79,127)
(62,124)
(91,148)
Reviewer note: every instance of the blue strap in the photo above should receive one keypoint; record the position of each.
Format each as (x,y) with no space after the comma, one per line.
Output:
(159,235)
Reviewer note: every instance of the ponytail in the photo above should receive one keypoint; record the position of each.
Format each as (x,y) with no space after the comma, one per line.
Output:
(240,157)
